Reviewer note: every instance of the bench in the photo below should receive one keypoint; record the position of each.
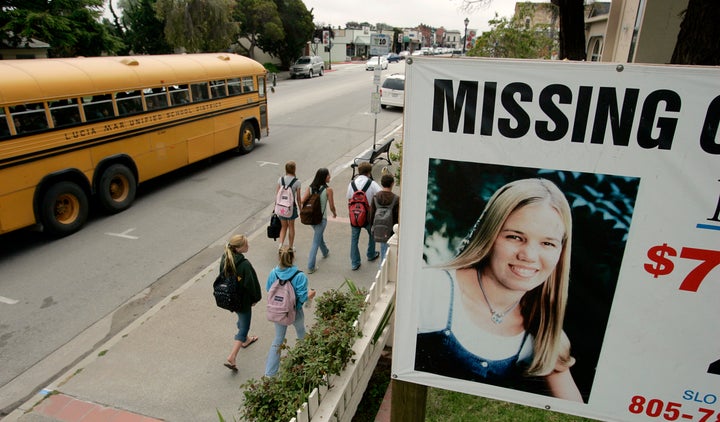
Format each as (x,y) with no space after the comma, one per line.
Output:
(374,154)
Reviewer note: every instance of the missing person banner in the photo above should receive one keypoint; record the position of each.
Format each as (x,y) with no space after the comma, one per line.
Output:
(569,256)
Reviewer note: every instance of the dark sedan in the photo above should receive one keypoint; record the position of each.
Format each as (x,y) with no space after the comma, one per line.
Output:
(394,58)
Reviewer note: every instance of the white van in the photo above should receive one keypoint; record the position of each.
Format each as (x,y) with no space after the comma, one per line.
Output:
(392,91)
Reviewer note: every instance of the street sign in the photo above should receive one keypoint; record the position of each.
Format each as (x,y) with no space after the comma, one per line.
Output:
(380,44)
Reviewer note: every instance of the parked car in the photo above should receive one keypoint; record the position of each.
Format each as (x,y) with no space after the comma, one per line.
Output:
(392,91)
(307,66)
(376,61)
(394,58)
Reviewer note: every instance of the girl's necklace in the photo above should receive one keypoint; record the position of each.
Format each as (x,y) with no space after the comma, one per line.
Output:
(496,317)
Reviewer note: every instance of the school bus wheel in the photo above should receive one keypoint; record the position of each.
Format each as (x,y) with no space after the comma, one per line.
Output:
(247,138)
(64,209)
(117,188)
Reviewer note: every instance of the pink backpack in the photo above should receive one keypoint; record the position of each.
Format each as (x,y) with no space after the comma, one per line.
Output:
(282,301)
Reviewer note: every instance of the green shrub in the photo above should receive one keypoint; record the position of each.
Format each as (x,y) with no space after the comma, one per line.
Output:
(271,67)
(326,349)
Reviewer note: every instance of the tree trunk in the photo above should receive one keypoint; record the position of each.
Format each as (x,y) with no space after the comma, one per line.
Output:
(572,29)
(698,42)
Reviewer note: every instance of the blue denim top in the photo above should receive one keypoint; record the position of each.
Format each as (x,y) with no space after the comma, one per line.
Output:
(440,352)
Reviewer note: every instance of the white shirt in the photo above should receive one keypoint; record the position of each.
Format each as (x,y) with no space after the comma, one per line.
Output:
(360,181)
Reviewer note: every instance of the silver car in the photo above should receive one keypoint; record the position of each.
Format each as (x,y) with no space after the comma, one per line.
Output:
(307,66)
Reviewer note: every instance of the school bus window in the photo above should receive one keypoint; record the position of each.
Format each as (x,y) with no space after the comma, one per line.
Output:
(29,117)
(129,102)
(247,83)
(261,86)
(179,95)
(234,87)
(4,127)
(65,112)
(98,107)
(155,98)
(217,88)
(199,92)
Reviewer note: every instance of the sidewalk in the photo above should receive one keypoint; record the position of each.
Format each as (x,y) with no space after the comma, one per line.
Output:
(168,364)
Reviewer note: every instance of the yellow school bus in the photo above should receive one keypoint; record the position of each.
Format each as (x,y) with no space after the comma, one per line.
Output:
(78,130)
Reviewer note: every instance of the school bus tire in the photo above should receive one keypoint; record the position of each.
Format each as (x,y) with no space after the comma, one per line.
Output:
(117,188)
(247,138)
(64,209)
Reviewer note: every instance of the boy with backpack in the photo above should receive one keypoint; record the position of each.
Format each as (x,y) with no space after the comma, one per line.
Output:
(360,194)
(280,304)
(384,213)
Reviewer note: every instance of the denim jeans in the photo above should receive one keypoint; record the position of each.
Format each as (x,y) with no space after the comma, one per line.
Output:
(318,242)
(383,251)
(355,249)
(243,325)
(273,359)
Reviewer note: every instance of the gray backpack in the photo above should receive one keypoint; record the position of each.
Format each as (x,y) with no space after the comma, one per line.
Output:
(382,225)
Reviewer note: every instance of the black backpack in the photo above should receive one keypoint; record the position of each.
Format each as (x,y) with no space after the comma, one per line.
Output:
(311,212)
(227,291)
(273,229)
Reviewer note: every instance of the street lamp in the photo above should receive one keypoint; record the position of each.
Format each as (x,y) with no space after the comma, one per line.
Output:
(467,21)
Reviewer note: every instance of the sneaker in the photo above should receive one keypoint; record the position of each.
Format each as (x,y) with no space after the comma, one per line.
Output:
(356,268)
(327,254)
(376,256)
(312,270)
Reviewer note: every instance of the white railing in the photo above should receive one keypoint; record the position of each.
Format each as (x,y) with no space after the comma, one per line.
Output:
(339,402)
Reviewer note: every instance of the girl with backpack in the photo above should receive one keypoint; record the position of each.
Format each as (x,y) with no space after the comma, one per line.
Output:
(234,262)
(289,180)
(287,271)
(320,184)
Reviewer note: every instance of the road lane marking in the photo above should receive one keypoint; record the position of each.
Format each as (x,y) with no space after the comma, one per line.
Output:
(7,300)
(266,163)
(124,234)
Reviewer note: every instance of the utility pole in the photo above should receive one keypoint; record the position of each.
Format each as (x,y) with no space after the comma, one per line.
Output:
(467,21)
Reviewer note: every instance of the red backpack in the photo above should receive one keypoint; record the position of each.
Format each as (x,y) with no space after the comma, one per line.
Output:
(358,205)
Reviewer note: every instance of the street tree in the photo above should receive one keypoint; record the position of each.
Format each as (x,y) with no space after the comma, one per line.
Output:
(298,27)
(509,38)
(140,28)
(698,42)
(70,27)
(572,25)
(198,25)
(260,25)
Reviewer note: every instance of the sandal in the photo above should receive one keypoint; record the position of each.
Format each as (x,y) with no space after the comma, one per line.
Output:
(249,341)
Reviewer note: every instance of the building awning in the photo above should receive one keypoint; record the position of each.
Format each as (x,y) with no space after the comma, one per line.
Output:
(362,40)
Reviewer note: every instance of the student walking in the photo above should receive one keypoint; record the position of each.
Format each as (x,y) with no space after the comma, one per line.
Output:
(234,262)
(287,222)
(363,181)
(384,213)
(320,184)
(286,270)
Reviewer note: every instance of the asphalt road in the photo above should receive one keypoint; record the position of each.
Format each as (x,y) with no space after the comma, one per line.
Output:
(60,298)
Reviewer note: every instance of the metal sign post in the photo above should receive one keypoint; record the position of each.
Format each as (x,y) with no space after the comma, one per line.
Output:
(375,100)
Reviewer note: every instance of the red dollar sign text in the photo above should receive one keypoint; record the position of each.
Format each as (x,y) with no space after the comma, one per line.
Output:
(662,266)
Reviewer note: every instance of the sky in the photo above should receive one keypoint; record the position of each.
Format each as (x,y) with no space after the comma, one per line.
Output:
(405,13)
(408,13)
